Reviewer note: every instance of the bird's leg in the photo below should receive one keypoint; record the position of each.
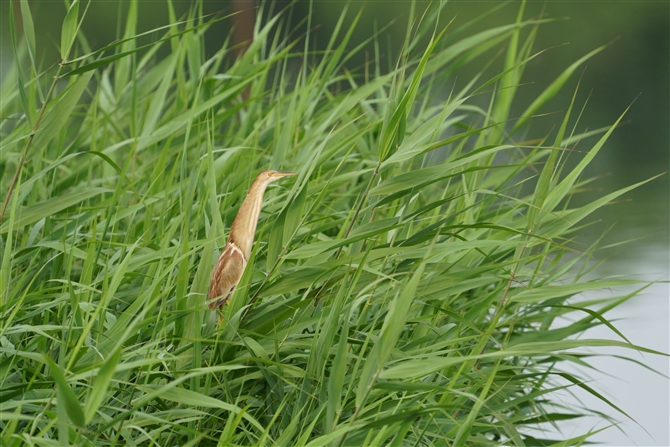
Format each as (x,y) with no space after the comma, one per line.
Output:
(220,320)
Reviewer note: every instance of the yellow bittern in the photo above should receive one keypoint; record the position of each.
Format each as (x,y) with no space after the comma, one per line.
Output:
(235,255)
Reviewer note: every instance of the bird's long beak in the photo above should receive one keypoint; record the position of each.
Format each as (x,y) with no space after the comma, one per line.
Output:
(283,174)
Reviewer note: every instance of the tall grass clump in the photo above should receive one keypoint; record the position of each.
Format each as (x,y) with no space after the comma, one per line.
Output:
(403,290)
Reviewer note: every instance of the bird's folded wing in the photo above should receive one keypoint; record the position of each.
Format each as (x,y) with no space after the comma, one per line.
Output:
(227,273)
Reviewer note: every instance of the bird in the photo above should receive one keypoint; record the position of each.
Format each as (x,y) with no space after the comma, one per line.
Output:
(233,260)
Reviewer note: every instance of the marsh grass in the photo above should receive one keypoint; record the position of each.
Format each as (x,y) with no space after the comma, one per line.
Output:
(403,288)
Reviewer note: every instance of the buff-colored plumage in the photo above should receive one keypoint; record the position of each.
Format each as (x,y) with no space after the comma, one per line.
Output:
(233,259)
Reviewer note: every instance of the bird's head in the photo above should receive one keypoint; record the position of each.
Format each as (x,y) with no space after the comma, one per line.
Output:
(270,176)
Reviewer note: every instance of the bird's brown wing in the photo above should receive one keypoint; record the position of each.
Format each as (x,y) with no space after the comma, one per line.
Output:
(225,276)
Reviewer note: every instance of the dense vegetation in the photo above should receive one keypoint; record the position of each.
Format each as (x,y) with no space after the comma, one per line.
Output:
(404,289)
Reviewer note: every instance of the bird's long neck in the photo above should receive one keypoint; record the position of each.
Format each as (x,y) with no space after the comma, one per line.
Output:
(244,226)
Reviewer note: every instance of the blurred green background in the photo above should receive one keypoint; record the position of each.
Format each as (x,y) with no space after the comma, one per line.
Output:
(633,71)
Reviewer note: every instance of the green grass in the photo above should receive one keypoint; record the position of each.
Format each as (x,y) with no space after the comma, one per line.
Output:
(403,289)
